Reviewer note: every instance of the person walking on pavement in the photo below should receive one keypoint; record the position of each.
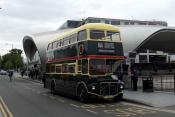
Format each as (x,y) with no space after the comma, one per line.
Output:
(120,75)
(10,75)
(22,73)
(134,78)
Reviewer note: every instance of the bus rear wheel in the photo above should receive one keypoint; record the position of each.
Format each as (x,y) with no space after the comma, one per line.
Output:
(52,88)
(82,94)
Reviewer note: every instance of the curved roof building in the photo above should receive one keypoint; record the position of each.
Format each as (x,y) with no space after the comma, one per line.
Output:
(135,38)
(148,37)
(35,46)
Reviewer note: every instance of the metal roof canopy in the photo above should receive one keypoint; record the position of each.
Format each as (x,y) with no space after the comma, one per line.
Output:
(162,40)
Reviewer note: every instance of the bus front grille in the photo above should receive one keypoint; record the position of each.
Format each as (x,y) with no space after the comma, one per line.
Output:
(108,89)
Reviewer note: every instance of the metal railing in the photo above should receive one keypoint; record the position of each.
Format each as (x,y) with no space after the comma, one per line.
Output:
(164,82)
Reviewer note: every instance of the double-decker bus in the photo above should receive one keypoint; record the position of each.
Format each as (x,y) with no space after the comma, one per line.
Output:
(81,62)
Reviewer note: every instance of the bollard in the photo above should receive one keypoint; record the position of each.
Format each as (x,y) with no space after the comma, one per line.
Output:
(161,82)
(174,82)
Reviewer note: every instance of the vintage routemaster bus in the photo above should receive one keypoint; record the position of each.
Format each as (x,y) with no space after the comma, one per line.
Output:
(82,62)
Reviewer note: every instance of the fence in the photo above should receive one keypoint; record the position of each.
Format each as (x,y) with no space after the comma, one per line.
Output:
(160,82)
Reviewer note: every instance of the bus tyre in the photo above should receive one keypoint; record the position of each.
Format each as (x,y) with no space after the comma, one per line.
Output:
(118,98)
(52,88)
(82,94)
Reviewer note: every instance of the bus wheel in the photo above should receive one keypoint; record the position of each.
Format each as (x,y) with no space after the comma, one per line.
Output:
(52,88)
(119,97)
(82,94)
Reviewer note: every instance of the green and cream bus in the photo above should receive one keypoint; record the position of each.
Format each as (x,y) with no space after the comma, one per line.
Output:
(82,62)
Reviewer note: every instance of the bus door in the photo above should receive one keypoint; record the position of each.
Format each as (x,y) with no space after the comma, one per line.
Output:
(70,78)
(59,80)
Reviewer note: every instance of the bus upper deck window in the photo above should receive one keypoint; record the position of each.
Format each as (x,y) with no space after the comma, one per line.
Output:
(59,44)
(113,36)
(54,44)
(97,34)
(50,46)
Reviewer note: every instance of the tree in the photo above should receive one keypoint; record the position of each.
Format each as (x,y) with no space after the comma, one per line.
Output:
(12,60)
(0,62)
(6,61)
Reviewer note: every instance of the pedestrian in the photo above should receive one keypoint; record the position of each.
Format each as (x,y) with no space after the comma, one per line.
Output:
(10,75)
(134,79)
(36,74)
(31,74)
(22,73)
(44,79)
(120,75)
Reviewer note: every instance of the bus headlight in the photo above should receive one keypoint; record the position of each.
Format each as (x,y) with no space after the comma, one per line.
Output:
(121,86)
(93,87)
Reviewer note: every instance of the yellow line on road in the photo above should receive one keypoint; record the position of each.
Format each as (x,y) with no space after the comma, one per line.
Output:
(91,111)
(2,110)
(60,100)
(75,105)
(5,108)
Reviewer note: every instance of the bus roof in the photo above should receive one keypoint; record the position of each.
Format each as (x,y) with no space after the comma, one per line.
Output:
(95,26)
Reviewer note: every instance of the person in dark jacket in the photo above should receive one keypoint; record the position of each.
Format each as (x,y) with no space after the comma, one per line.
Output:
(10,75)
(120,75)
(134,79)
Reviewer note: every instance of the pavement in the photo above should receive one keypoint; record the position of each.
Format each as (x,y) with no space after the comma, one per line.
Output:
(159,99)
(17,75)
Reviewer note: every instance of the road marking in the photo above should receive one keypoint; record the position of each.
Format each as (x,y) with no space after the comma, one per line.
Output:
(60,100)
(92,106)
(75,105)
(132,110)
(52,97)
(119,113)
(2,110)
(155,109)
(110,105)
(91,111)
(5,108)
(44,94)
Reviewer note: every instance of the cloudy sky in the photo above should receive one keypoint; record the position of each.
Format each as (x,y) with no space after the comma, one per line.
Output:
(21,17)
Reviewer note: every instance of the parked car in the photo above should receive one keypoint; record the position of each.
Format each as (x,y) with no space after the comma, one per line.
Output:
(2,72)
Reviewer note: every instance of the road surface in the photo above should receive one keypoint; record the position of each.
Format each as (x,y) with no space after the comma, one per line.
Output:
(24,98)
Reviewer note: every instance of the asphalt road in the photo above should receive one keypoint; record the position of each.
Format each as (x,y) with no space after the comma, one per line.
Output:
(25,98)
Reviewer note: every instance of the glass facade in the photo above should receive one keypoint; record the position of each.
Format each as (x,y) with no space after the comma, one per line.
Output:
(35,58)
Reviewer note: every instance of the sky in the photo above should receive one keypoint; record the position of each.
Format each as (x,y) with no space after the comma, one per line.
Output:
(23,17)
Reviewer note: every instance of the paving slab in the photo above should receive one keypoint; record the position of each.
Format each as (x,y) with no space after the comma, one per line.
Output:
(155,99)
